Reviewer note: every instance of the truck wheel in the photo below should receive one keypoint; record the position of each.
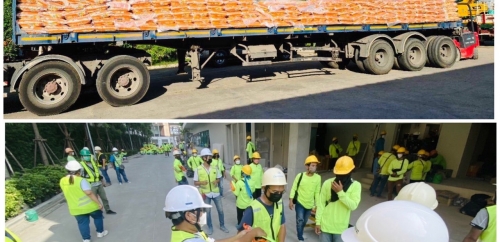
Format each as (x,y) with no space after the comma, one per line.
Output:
(123,80)
(414,56)
(428,44)
(459,56)
(219,59)
(443,53)
(359,61)
(49,88)
(336,65)
(381,58)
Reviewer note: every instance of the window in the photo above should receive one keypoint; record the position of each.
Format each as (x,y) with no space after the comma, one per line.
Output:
(202,139)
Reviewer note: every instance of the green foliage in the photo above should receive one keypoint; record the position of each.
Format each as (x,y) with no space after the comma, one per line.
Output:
(9,48)
(13,200)
(159,53)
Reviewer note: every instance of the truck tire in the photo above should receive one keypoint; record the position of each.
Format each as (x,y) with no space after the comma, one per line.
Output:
(123,81)
(443,53)
(459,56)
(414,56)
(49,88)
(359,61)
(336,65)
(381,58)
(428,44)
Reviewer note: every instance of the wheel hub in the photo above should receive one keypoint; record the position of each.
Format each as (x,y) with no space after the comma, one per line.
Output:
(124,80)
(51,87)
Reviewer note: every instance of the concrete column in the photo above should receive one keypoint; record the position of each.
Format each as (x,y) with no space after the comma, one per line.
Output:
(390,137)
(452,144)
(252,132)
(298,149)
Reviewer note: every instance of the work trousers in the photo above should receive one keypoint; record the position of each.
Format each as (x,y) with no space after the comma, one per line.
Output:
(301,216)
(378,185)
(83,221)
(218,205)
(99,191)
(104,171)
(239,214)
(394,185)
(326,237)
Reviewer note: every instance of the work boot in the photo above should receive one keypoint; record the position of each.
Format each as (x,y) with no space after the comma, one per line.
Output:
(104,233)
(86,240)
(224,229)
(110,212)
(210,231)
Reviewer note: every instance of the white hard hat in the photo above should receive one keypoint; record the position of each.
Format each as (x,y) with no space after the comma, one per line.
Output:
(114,149)
(86,148)
(97,148)
(191,199)
(396,221)
(177,152)
(206,152)
(73,165)
(274,176)
(419,192)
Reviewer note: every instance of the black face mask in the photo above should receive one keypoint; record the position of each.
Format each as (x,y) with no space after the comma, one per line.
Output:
(209,161)
(346,183)
(335,142)
(216,156)
(275,197)
(354,139)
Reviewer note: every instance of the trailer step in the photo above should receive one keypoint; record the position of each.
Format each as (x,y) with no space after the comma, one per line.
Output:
(324,48)
(256,63)
(297,59)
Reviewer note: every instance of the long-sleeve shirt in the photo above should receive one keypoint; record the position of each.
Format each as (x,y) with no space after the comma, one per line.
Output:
(250,149)
(334,217)
(217,163)
(332,150)
(243,199)
(178,170)
(384,162)
(194,161)
(308,190)
(379,145)
(396,164)
(417,169)
(257,174)
(439,160)
(236,172)
(353,148)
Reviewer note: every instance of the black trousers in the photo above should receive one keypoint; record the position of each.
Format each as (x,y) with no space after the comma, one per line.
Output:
(257,193)
(332,163)
(239,214)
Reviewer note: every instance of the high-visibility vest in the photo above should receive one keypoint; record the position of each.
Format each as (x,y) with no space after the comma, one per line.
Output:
(203,175)
(179,236)
(93,175)
(11,237)
(78,202)
(262,219)
(490,233)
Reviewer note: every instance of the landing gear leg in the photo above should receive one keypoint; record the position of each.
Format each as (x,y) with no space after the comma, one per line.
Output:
(194,53)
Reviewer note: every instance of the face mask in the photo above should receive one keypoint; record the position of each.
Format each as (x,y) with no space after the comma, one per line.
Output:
(354,139)
(209,161)
(203,220)
(275,197)
(383,136)
(400,155)
(237,162)
(195,155)
(216,156)
(336,142)
(312,169)
(86,158)
(72,153)
(116,152)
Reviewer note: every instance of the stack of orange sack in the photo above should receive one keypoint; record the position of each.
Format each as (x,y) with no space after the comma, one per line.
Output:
(84,16)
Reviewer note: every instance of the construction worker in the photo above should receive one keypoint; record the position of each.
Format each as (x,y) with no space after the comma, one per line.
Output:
(438,161)
(181,146)
(243,189)
(305,194)
(419,192)
(397,169)
(267,212)
(380,143)
(398,221)
(194,161)
(70,153)
(484,224)
(91,173)
(257,173)
(179,169)
(168,149)
(82,201)
(92,158)
(235,172)
(380,180)
(428,164)
(354,146)
(219,164)
(207,178)
(117,160)
(188,214)
(376,166)
(103,164)
(11,237)
(417,168)
(338,198)
(250,149)
(334,151)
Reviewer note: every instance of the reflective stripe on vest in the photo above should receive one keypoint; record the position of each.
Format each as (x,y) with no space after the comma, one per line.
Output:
(204,176)
(262,219)
(179,236)
(78,202)
(490,233)
(92,173)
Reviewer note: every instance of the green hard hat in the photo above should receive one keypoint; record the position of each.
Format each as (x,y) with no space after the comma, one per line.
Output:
(85,152)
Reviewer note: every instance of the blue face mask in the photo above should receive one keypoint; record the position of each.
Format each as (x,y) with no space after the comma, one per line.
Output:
(86,158)
(116,152)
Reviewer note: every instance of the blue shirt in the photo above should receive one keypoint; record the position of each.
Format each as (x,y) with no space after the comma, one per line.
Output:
(379,146)
(112,158)
(248,215)
(375,166)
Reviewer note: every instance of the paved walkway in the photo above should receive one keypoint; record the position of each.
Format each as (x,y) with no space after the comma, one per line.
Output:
(141,218)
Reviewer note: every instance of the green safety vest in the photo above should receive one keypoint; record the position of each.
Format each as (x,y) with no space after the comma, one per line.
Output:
(490,233)
(78,202)
(93,175)
(243,200)
(179,236)
(204,176)
(257,174)
(11,237)
(262,219)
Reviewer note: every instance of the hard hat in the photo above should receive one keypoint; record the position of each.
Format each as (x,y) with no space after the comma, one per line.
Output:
(396,147)
(334,138)
(256,155)
(407,152)
(215,151)
(421,152)
(402,150)
(419,192)
(236,157)
(205,152)
(73,165)
(344,165)
(274,177)
(247,169)
(84,152)
(190,200)
(249,137)
(311,159)
(383,132)
(97,148)
(177,152)
(114,149)
(195,151)
(381,152)
(398,221)
(86,148)
(355,136)
(68,150)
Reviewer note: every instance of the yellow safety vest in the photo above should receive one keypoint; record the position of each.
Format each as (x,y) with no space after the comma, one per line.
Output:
(179,236)
(490,233)
(257,173)
(78,202)
(204,176)
(11,237)
(93,175)
(262,219)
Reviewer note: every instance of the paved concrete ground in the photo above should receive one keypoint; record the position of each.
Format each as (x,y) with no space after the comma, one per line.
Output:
(140,216)
(303,90)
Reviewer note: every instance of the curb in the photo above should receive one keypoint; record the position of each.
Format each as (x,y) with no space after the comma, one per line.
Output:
(43,210)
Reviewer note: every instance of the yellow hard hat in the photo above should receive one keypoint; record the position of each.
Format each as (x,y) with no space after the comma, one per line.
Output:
(195,151)
(334,138)
(215,151)
(344,165)
(401,150)
(256,155)
(311,159)
(383,132)
(236,157)
(247,169)
(381,152)
(421,152)
(396,147)
(249,137)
